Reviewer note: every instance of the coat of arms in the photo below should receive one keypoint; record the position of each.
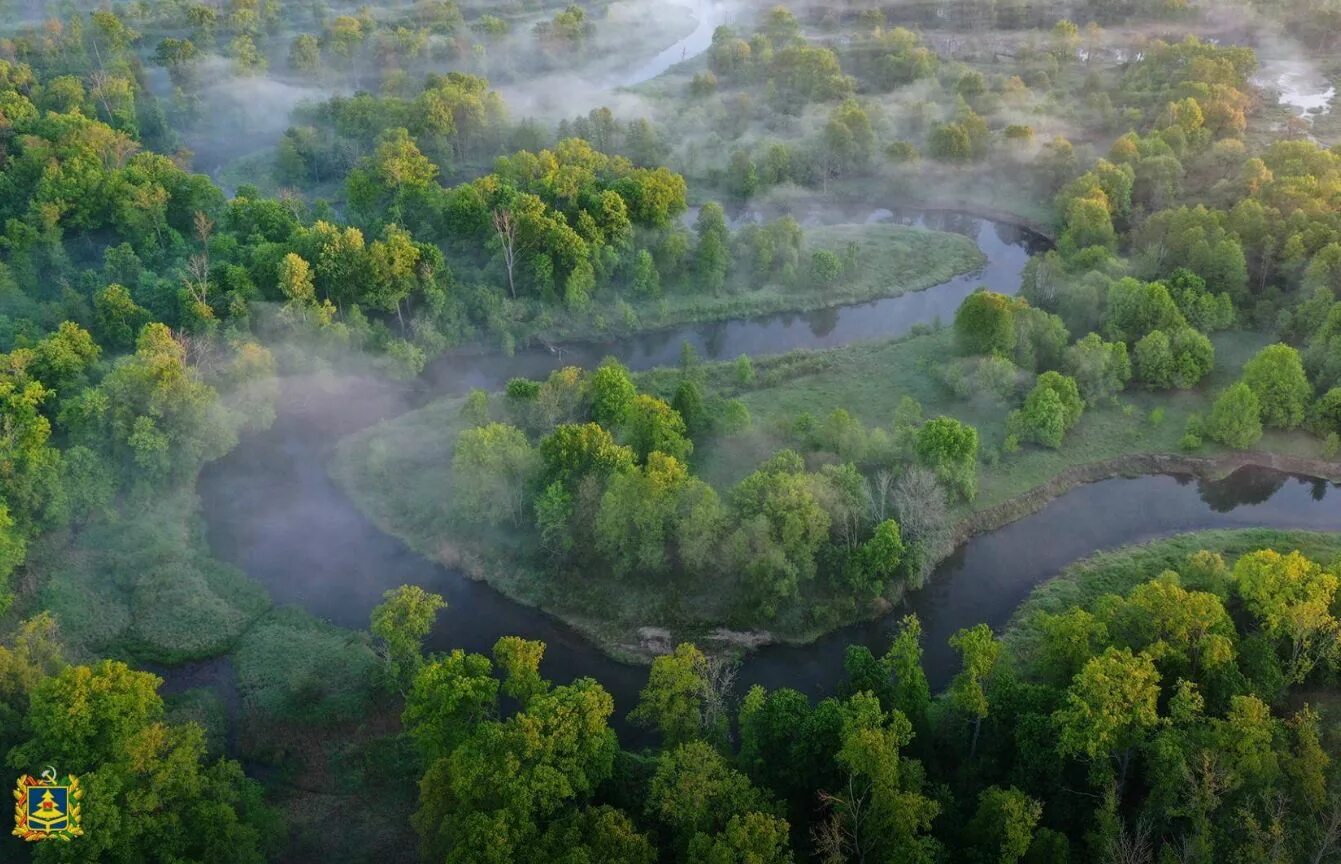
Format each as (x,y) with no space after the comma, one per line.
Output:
(46,809)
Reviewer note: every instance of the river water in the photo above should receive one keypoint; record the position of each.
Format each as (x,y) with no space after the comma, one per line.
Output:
(272,510)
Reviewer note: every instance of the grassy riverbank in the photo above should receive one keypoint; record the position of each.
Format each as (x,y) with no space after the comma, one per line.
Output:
(399,474)
(869,381)
(890,260)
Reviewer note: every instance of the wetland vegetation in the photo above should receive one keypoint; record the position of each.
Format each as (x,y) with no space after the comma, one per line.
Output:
(372,375)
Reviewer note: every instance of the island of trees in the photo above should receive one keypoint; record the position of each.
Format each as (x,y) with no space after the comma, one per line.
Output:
(168,290)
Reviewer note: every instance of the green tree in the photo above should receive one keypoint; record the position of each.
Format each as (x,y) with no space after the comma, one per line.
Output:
(985,324)
(781,525)
(1235,419)
(1110,709)
(574,451)
(117,317)
(1276,376)
(1002,829)
(677,697)
(612,394)
(492,470)
(652,425)
(450,696)
(400,623)
(978,650)
(1153,354)
(912,692)
(1291,597)
(519,660)
(147,784)
(879,558)
(694,792)
(1101,369)
(950,449)
(750,838)
(1052,408)
(711,256)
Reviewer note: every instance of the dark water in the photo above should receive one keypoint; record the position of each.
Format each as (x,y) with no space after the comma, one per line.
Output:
(272,510)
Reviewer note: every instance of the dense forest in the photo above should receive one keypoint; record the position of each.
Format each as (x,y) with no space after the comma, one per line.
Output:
(934,264)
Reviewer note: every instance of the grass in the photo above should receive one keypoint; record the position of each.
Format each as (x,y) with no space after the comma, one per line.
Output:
(1121,570)
(892,260)
(140,585)
(293,668)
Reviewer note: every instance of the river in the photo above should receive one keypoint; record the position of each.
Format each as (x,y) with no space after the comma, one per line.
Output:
(272,510)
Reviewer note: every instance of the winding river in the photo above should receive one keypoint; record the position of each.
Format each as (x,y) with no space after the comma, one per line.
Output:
(272,510)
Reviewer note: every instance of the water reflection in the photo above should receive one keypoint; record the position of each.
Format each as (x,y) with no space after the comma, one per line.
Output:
(1250,486)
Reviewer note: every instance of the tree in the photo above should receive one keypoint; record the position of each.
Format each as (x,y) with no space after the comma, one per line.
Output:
(781,525)
(304,53)
(1154,360)
(912,692)
(985,324)
(1276,376)
(978,650)
(1003,827)
(1291,597)
(401,622)
(1052,408)
(492,471)
(450,696)
(950,142)
(519,660)
(652,425)
(1110,708)
(1101,369)
(711,257)
(117,317)
(1135,308)
(750,838)
(879,813)
(13,550)
(574,451)
(677,693)
(879,558)
(1235,419)
(491,796)
(950,449)
(147,784)
(694,792)
(924,515)
(612,394)
(596,835)
(655,517)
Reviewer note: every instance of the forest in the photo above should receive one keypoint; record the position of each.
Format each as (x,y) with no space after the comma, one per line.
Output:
(710,431)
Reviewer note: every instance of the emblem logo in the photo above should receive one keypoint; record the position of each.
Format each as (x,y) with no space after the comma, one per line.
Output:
(46,808)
